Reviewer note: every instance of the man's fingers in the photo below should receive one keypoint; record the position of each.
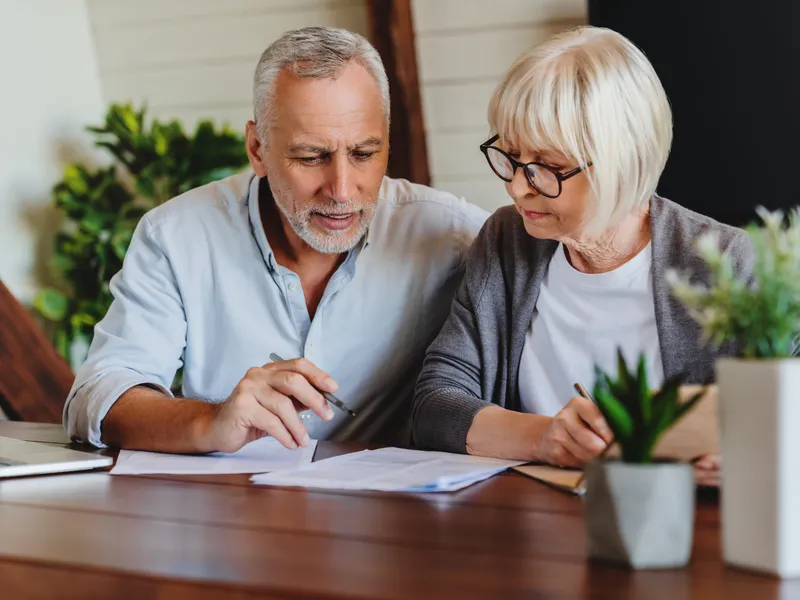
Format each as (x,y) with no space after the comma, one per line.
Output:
(591,415)
(270,424)
(310,371)
(284,408)
(273,402)
(294,385)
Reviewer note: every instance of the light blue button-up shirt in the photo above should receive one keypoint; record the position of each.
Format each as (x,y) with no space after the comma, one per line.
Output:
(200,287)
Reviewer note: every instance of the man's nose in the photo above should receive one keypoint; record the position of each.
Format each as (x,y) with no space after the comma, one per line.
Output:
(341,179)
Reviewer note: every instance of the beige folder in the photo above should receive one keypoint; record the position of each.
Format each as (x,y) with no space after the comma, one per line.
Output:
(693,436)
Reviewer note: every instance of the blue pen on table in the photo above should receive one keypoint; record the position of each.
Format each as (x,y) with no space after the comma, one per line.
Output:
(327,395)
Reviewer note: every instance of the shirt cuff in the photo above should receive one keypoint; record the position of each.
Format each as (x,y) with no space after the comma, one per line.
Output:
(87,406)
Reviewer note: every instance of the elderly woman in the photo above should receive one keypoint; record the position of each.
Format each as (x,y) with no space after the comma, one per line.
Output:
(575,268)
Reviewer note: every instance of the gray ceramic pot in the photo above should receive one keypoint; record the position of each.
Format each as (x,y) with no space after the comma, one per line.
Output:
(640,516)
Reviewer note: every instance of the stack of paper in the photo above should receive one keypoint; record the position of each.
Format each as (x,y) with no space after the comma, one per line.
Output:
(261,455)
(391,470)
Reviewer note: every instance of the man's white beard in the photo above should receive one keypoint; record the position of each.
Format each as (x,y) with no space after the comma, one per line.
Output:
(330,241)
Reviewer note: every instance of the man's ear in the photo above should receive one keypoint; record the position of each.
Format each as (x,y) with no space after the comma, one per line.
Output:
(255,150)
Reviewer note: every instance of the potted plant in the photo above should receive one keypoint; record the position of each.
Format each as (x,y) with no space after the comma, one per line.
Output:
(759,316)
(640,512)
(153,162)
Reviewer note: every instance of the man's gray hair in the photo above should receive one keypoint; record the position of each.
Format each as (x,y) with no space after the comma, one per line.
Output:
(313,52)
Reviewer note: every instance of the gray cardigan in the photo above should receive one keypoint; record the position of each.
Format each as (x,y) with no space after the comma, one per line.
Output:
(475,358)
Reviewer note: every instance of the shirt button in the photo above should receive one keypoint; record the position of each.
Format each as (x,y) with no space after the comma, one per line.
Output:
(292,287)
(305,415)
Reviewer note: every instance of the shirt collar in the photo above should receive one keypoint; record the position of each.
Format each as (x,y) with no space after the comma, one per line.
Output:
(256,226)
(381,193)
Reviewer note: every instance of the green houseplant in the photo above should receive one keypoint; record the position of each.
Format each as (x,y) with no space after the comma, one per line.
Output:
(758,314)
(152,162)
(637,415)
(640,512)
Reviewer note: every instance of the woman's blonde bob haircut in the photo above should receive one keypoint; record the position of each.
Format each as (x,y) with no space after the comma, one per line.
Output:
(593,96)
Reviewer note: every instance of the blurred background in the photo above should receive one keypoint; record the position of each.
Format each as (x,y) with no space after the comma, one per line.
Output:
(70,197)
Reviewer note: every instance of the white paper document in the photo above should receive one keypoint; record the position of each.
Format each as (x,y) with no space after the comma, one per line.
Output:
(261,455)
(391,470)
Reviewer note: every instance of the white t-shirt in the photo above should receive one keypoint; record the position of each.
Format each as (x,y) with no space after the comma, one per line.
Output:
(580,320)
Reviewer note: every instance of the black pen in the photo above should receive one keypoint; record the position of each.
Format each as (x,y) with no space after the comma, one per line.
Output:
(328,396)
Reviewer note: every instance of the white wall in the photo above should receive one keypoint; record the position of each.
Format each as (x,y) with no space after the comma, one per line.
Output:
(50,91)
(194,59)
(463,48)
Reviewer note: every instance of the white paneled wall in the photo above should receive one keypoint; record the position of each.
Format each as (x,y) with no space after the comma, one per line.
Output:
(194,59)
(463,48)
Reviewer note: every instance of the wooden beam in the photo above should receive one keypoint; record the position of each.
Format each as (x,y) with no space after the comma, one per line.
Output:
(392,34)
(34,379)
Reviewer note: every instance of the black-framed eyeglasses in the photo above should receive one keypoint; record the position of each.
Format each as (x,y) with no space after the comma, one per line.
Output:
(543,178)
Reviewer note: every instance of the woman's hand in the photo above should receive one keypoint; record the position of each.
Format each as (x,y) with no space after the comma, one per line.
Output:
(575,435)
(708,470)
(570,439)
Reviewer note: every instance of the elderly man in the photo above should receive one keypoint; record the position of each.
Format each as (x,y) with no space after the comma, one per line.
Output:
(316,257)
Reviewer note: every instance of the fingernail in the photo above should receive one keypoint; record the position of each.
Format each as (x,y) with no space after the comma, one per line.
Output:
(305,440)
(331,383)
(293,444)
(328,413)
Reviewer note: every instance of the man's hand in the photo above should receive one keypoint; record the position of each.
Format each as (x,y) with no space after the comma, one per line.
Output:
(575,435)
(267,402)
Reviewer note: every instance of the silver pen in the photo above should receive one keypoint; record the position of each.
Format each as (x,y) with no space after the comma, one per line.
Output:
(327,395)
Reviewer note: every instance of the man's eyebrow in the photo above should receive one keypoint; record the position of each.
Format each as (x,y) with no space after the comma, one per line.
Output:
(368,143)
(308,148)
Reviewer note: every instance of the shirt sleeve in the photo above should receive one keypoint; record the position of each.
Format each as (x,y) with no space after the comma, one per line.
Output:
(140,341)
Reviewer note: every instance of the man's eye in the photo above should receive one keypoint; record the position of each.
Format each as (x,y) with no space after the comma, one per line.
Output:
(363,155)
(310,160)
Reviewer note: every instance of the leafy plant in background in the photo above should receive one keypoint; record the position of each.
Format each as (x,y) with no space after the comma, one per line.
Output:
(761,316)
(637,415)
(152,163)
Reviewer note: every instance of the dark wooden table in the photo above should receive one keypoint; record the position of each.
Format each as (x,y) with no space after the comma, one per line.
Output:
(91,535)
